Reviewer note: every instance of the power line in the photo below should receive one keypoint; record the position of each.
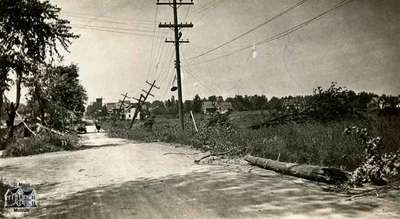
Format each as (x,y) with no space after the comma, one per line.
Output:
(186,70)
(279,35)
(159,55)
(84,15)
(167,63)
(152,42)
(208,7)
(116,31)
(251,30)
(112,28)
(100,20)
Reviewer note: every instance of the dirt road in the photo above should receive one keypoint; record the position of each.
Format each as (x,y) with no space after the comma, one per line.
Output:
(116,178)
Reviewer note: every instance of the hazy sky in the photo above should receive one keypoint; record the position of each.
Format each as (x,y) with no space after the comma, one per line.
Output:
(356,45)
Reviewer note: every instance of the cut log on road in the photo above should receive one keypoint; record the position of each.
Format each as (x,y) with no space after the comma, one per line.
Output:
(311,172)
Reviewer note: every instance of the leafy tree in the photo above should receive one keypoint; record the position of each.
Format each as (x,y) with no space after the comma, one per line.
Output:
(220,99)
(212,98)
(188,106)
(157,107)
(275,104)
(30,34)
(172,105)
(197,104)
(57,97)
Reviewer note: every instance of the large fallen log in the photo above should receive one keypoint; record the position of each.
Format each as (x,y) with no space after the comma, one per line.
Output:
(311,172)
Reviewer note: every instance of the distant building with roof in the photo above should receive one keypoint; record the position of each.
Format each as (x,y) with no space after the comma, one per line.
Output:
(209,107)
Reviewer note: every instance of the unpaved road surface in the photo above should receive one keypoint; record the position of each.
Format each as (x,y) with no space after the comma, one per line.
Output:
(116,178)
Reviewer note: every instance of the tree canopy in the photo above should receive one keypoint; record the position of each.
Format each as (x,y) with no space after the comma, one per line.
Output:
(31,33)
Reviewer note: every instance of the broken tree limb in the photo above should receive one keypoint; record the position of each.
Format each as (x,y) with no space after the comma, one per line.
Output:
(49,129)
(311,172)
(214,154)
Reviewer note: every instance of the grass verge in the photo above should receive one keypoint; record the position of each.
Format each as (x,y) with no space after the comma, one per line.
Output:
(315,143)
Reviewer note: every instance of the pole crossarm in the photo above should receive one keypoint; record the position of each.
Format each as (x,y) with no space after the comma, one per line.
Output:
(152,85)
(173,41)
(181,25)
(177,3)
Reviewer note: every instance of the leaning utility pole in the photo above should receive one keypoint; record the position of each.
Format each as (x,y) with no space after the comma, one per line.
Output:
(122,105)
(176,27)
(142,100)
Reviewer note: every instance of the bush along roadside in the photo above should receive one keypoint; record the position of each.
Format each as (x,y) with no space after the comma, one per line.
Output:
(43,143)
(378,167)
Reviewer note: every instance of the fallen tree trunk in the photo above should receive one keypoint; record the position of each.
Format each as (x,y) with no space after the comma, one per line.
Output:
(311,172)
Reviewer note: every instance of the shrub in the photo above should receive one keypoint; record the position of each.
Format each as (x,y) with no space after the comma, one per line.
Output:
(378,167)
(43,143)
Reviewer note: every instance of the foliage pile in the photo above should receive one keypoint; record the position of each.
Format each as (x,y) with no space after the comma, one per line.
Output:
(327,105)
(43,143)
(378,167)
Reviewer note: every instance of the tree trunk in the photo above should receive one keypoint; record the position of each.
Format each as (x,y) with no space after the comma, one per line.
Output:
(1,103)
(14,107)
(311,172)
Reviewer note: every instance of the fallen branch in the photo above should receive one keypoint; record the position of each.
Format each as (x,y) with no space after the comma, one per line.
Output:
(311,172)
(49,129)
(214,154)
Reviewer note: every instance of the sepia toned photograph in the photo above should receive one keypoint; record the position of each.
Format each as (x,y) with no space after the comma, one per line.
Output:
(200,109)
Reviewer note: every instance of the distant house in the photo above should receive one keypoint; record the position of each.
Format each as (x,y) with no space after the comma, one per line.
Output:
(293,103)
(209,107)
(223,107)
(127,112)
(111,107)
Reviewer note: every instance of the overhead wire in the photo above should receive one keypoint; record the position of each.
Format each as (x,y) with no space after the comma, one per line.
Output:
(251,29)
(84,15)
(277,36)
(101,20)
(112,28)
(152,43)
(115,31)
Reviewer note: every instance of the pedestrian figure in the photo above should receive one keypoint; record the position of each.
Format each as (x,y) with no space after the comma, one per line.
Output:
(97,126)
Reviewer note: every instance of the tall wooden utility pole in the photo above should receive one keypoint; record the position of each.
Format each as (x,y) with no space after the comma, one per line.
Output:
(176,27)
